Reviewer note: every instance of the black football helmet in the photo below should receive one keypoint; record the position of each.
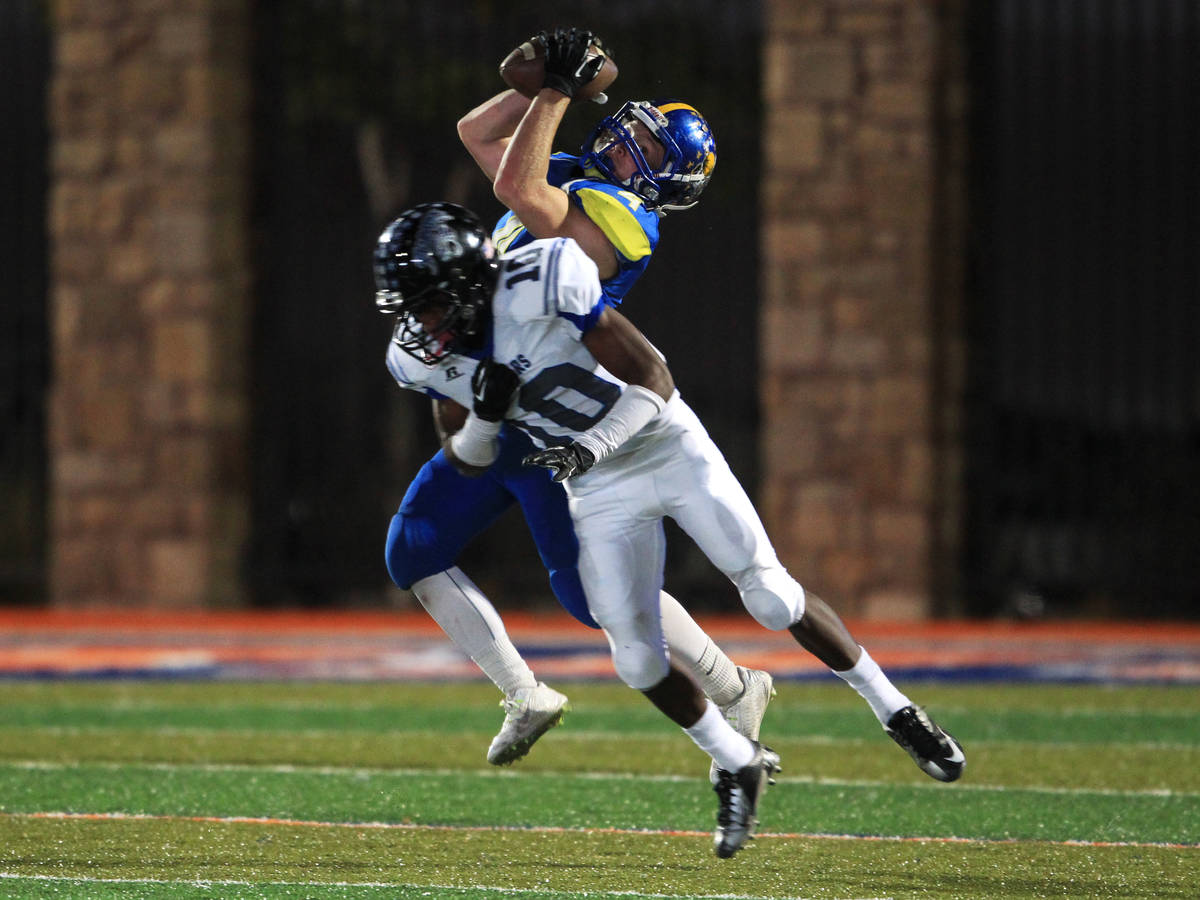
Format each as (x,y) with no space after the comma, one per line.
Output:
(436,255)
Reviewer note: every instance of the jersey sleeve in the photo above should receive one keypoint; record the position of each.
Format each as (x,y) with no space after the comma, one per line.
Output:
(621,216)
(629,226)
(575,286)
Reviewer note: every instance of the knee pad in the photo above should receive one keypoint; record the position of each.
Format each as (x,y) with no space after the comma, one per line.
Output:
(639,652)
(638,664)
(772,596)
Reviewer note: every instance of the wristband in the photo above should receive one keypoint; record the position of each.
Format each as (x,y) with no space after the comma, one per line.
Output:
(475,443)
(633,410)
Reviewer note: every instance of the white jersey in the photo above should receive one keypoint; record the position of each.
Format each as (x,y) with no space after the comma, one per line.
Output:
(547,297)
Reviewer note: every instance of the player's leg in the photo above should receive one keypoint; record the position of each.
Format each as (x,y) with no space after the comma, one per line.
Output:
(441,512)
(545,508)
(711,506)
(621,563)
(742,694)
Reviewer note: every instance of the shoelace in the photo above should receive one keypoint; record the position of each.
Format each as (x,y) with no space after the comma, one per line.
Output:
(922,736)
(512,705)
(728,791)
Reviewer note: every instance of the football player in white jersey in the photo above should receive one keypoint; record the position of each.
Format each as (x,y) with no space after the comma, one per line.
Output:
(551,358)
(640,162)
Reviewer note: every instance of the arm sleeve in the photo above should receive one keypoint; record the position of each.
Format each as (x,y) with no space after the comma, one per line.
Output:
(630,414)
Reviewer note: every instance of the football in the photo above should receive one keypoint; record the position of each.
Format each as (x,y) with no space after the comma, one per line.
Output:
(524,69)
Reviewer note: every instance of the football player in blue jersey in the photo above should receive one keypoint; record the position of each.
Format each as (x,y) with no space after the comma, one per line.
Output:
(638,164)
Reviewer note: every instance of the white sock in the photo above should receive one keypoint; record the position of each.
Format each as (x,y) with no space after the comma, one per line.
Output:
(474,626)
(873,686)
(694,650)
(716,737)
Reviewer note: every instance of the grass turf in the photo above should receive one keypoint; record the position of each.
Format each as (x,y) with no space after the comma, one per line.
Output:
(1048,765)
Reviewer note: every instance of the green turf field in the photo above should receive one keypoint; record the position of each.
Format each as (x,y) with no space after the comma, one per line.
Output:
(292,790)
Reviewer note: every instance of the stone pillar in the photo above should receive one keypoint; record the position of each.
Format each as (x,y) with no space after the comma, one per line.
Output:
(858,365)
(149,301)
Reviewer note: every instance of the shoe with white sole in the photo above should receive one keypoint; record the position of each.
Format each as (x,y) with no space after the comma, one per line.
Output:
(746,713)
(528,714)
(938,754)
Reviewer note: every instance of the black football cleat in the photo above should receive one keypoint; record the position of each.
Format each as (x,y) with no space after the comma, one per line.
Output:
(739,793)
(938,754)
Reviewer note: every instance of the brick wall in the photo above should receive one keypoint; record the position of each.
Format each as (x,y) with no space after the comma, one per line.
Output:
(862,197)
(148,117)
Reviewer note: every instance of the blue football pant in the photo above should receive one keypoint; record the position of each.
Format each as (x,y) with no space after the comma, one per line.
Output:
(443,510)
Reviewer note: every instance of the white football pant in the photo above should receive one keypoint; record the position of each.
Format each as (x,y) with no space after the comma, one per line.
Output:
(618,508)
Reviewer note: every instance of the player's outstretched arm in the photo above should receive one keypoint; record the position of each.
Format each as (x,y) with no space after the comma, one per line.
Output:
(521,185)
(487,129)
(520,178)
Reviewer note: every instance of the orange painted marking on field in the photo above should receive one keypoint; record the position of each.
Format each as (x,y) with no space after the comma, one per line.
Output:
(407,644)
(360,622)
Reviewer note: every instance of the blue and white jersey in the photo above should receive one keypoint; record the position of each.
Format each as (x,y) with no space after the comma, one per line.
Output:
(547,298)
(621,215)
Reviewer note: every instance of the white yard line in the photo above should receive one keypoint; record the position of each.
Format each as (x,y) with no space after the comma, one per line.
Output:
(492,772)
(577,735)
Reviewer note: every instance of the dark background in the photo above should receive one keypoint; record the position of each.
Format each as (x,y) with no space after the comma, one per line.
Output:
(1084,410)
(356,120)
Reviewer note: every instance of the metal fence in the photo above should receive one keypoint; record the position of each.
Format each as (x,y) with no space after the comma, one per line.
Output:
(357,109)
(1084,408)
(24,64)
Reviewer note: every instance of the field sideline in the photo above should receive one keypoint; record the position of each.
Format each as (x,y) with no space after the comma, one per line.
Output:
(226,787)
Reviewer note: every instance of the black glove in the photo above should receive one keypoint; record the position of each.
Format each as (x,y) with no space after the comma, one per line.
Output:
(567,66)
(492,385)
(574,459)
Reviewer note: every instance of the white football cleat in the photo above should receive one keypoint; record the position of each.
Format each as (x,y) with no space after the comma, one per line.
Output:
(746,713)
(528,714)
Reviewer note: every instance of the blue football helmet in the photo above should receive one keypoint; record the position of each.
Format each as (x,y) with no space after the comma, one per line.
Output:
(435,256)
(691,152)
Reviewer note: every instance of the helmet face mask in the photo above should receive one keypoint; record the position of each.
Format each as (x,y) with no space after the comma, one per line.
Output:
(429,343)
(689,152)
(435,258)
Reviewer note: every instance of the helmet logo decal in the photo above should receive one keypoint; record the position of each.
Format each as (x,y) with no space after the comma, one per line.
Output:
(446,243)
